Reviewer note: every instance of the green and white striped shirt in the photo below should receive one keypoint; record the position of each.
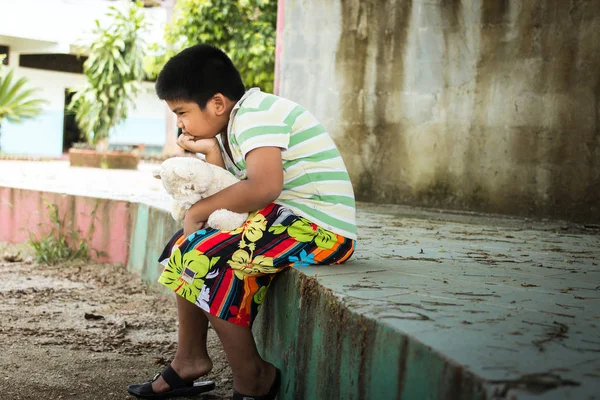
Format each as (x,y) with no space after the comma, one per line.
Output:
(316,183)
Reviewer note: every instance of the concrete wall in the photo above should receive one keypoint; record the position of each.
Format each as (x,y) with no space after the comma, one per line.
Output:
(328,351)
(25,212)
(151,229)
(489,105)
(131,234)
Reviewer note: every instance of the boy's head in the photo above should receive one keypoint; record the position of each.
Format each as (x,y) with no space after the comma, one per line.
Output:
(200,84)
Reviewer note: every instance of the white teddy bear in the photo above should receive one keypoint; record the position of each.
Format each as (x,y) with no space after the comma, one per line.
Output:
(189,179)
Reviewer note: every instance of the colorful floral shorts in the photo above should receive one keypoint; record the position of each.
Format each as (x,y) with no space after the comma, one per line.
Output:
(227,273)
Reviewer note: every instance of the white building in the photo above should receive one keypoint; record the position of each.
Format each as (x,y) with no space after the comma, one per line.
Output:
(40,39)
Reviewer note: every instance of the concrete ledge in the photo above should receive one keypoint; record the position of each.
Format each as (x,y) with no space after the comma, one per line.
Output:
(330,352)
(426,309)
(303,327)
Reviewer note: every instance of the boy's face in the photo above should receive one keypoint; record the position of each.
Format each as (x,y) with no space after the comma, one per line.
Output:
(203,124)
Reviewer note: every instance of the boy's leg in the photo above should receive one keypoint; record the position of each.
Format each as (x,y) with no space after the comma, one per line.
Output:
(191,359)
(252,375)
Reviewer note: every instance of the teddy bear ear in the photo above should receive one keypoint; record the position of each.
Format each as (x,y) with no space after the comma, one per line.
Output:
(183,173)
(156,173)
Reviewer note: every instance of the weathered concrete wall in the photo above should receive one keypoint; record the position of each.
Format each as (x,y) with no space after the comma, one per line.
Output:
(489,105)
(325,350)
(132,234)
(330,352)
(24,212)
(150,231)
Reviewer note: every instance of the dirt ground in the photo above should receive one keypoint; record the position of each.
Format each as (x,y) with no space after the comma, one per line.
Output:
(85,331)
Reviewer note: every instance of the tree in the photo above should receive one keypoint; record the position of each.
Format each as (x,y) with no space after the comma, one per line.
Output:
(17,103)
(244,29)
(114,71)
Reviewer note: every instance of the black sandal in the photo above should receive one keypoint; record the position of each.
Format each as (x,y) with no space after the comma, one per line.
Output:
(177,386)
(269,396)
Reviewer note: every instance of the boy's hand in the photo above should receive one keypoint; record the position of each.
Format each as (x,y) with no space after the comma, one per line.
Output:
(195,145)
(195,218)
(190,225)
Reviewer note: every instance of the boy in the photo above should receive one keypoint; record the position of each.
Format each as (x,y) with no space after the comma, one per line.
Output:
(290,171)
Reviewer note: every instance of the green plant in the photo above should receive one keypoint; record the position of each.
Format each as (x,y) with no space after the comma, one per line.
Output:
(61,243)
(17,103)
(114,71)
(244,29)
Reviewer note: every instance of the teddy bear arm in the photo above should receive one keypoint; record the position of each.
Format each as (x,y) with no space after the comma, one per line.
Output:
(177,211)
(225,220)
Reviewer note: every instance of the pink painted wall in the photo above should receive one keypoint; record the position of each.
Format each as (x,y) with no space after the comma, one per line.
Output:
(24,211)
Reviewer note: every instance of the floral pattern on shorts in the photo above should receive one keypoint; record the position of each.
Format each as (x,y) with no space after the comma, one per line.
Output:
(228,273)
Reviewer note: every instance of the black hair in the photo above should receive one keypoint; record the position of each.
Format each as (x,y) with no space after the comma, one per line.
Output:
(197,74)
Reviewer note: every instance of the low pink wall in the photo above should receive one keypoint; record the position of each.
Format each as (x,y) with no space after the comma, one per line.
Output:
(24,211)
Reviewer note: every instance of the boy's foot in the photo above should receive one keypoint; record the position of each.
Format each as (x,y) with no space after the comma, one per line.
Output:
(176,380)
(269,394)
(187,371)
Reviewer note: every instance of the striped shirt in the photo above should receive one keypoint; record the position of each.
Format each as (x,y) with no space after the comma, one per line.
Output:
(316,183)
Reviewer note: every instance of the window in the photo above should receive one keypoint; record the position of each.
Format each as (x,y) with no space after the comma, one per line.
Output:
(4,52)
(53,62)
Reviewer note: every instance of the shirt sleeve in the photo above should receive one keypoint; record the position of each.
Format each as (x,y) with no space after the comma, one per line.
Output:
(261,129)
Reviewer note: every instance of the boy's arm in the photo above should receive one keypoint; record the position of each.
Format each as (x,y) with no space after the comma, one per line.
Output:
(262,187)
(215,157)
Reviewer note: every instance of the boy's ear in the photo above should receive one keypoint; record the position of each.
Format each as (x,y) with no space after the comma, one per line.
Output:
(219,103)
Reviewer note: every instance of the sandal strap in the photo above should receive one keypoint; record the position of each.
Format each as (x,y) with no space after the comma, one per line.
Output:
(173,379)
(269,396)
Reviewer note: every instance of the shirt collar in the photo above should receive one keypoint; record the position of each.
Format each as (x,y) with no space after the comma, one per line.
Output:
(238,105)
(244,97)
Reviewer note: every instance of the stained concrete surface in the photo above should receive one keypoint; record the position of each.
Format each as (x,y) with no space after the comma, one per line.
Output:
(516,302)
(487,105)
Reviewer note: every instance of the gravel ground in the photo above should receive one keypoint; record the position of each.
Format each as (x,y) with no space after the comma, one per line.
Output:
(85,331)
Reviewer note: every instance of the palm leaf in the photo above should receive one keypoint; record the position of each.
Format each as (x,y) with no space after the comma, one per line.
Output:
(18,97)
(12,88)
(17,103)
(5,84)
